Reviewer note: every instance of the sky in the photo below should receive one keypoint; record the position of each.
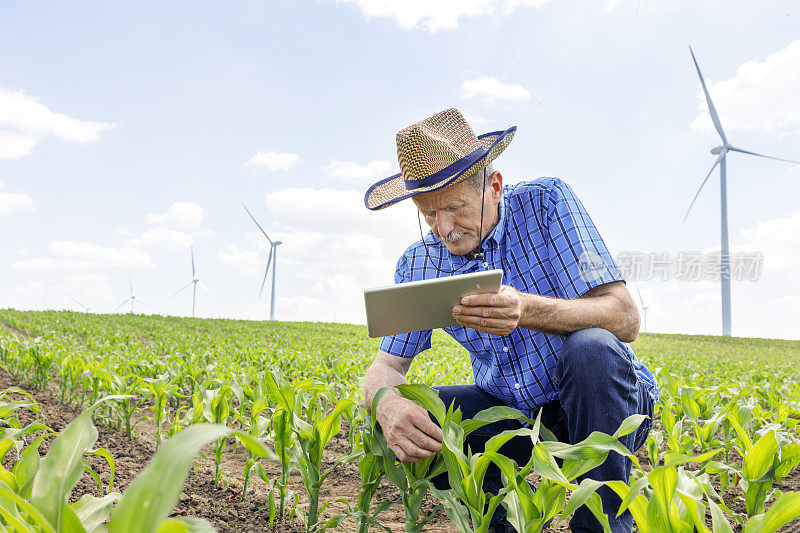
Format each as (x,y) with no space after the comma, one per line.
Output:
(130,133)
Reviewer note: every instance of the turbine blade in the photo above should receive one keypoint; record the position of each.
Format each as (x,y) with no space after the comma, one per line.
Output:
(257,224)
(703,184)
(209,291)
(144,303)
(266,271)
(711,109)
(123,303)
(130,282)
(733,148)
(192,262)
(77,302)
(180,291)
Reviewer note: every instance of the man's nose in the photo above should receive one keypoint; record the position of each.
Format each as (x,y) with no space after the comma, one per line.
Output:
(444,224)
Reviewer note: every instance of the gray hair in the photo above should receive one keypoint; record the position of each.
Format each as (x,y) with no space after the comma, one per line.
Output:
(477,178)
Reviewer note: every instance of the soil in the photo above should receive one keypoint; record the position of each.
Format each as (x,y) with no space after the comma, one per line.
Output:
(223,507)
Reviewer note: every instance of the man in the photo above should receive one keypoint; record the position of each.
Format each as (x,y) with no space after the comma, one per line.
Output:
(554,338)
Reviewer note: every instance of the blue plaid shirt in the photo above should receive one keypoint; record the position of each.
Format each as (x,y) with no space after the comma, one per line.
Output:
(546,244)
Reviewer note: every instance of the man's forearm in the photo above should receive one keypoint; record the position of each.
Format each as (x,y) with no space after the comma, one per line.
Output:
(562,317)
(380,375)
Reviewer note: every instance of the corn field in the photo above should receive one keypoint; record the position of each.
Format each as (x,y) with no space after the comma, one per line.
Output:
(723,454)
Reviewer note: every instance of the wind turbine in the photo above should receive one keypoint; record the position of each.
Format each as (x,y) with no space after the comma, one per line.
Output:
(132,297)
(194,283)
(273,256)
(85,307)
(644,310)
(721,153)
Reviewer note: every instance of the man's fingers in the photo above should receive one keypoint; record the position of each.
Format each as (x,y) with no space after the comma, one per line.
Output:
(491,323)
(409,451)
(478,300)
(431,431)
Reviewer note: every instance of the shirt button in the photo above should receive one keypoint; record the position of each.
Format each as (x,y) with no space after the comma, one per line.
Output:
(485,264)
(505,349)
(516,385)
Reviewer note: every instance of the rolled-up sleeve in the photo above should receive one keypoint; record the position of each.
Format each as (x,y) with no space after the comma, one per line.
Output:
(406,345)
(576,250)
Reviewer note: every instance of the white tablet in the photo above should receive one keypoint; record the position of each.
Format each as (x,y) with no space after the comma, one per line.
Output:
(423,305)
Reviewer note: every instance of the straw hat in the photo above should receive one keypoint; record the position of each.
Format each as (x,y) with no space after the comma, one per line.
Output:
(434,153)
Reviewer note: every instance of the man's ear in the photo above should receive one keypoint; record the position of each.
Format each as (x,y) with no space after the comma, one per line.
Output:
(497,184)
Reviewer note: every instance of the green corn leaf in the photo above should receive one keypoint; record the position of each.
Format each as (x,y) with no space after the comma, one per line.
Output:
(62,467)
(330,424)
(580,495)
(545,464)
(664,480)
(186,525)
(678,459)
(105,454)
(155,491)
(33,513)
(637,507)
(25,470)
(740,431)
(491,415)
(425,397)
(92,512)
(629,425)
(785,509)
(759,458)
(595,505)
(719,523)
(632,493)
(790,458)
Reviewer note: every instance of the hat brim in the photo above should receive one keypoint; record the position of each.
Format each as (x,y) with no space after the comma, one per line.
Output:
(393,189)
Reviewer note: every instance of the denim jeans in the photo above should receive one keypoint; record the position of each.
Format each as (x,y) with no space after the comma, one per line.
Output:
(598,389)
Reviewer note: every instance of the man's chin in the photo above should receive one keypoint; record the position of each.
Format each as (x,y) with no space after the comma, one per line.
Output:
(460,247)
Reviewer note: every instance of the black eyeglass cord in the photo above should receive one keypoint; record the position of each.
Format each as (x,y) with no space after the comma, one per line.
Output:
(476,255)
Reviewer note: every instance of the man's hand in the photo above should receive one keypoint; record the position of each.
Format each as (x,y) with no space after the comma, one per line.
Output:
(498,314)
(408,429)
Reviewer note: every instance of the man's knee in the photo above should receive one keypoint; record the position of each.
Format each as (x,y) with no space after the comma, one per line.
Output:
(592,351)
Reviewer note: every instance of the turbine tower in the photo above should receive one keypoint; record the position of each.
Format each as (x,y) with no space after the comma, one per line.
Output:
(132,297)
(194,283)
(721,153)
(272,257)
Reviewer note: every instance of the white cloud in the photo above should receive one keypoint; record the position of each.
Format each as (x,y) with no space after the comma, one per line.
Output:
(779,240)
(11,202)
(182,216)
(175,229)
(335,211)
(439,14)
(761,96)
(358,174)
(273,161)
(490,88)
(25,121)
(474,120)
(161,238)
(248,262)
(86,258)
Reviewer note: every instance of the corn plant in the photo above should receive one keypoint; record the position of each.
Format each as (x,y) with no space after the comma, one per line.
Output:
(161,391)
(214,406)
(312,434)
(412,479)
